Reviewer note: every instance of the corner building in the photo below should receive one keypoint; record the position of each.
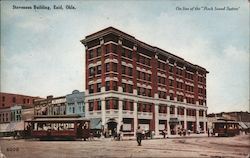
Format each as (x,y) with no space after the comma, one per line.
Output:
(131,83)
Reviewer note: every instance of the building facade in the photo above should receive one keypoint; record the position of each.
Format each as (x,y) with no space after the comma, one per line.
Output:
(75,103)
(50,106)
(8,100)
(130,83)
(11,105)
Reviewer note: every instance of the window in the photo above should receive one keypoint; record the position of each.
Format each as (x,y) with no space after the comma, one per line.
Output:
(91,71)
(147,62)
(24,101)
(115,67)
(138,91)
(150,108)
(98,52)
(107,103)
(107,85)
(14,99)
(3,98)
(171,69)
(114,48)
(178,71)
(149,92)
(115,87)
(99,105)
(130,88)
(116,102)
(149,77)
(99,69)
(137,57)
(138,74)
(99,87)
(130,71)
(123,52)
(159,79)
(171,96)
(131,106)
(91,106)
(171,83)
(171,110)
(73,110)
(144,107)
(130,55)
(124,105)
(180,98)
(91,54)
(143,76)
(124,87)
(107,67)
(91,88)
(107,49)
(144,91)
(123,69)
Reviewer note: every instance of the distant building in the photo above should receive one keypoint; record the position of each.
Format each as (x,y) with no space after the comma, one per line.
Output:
(75,103)
(50,106)
(5,115)
(11,106)
(16,113)
(243,118)
(8,100)
(13,112)
(131,83)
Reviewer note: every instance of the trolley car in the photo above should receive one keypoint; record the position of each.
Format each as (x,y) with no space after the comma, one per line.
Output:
(226,128)
(57,127)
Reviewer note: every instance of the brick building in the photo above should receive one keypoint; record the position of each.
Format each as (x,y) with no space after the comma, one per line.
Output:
(11,105)
(131,83)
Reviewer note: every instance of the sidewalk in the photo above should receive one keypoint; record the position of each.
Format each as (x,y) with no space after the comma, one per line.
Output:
(169,137)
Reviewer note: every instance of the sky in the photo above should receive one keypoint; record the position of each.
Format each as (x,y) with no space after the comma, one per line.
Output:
(41,53)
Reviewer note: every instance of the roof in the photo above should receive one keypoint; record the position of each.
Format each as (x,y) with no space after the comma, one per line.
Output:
(56,118)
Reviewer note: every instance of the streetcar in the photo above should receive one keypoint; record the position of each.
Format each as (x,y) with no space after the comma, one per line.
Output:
(223,127)
(57,128)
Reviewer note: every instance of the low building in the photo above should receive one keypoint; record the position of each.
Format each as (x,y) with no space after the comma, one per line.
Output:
(243,118)
(50,106)
(75,103)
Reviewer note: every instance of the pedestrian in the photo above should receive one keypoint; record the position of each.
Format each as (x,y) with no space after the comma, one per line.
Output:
(164,133)
(139,135)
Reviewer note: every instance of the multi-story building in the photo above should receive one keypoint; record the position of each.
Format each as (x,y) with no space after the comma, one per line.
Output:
(11,104)
(131,83)
(75,103)
(12,107)
(8,100)
(50,106)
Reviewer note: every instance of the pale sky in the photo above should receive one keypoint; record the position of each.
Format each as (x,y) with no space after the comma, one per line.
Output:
(41,53)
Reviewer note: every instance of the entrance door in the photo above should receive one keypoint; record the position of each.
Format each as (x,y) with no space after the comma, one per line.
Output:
(112,127)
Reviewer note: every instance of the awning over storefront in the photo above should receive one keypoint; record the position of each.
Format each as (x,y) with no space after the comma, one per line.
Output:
(11,127)
(243,125)
(174,120)
(3,127)
(95,123)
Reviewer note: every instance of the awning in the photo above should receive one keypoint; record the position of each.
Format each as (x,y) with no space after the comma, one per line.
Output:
(173,120)
(95,123)
(3,127)
(243,125)
(247,124)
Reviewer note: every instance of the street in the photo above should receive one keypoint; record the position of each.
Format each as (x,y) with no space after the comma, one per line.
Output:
(238,146)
